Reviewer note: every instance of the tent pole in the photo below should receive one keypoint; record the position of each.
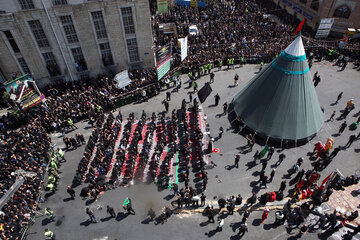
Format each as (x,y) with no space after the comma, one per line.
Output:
(267,141)
(281,143)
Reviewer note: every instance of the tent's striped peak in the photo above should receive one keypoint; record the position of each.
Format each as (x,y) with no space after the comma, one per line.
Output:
(296,48)
(292,61)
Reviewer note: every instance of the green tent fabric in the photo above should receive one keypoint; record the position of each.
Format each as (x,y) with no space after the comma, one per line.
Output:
(280,102)
(263,152)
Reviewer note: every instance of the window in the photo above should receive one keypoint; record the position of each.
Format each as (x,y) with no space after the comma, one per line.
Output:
(79,59)
(315,5)
(106,54)
(69,29)
(60,2)
(26,4)
(132,49)
(23,65)
(12,41)
(304,1)
(51,64)
(39,33)
(342,12)
(99,24)
(128,21)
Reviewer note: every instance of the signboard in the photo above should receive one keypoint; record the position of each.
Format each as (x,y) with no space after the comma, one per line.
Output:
(193,3)
(163,59)
(162,6)
(24,92)
(122,79)
(183,44)
(324,28)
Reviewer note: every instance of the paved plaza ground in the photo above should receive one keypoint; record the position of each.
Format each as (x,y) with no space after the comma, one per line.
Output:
(224,180)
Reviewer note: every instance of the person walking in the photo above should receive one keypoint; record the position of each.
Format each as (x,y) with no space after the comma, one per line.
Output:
(49,234)
(264,215)
(251,200)
(71,192)
(342,127)
(225,106)
(168,96)
(91,215)
(270,153)
(332,116)
(352,138)
(242,229)
(245,217)
(194,85)
(217,99)
(237,159)
(220,225)
(49,214)
(339,97)
(166,106)
(127,205)
(110,211)
(272,174)
(282,186)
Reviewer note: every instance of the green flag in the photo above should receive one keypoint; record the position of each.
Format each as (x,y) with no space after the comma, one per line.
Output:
(263,152)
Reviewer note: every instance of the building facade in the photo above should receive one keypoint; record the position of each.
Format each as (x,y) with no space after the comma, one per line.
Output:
(68,40)
(346,13)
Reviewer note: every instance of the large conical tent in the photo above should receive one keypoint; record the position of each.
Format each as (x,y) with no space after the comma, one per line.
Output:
(280,102)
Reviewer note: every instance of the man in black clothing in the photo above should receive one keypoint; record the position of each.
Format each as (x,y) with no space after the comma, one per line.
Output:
(335,152)
(342,127)
(212,75)
(71,192)
(110,211)
(225,106)
(270,153)
(168,96)
(282,186)
(237,159)
(243,228)
(202,198)
(217,99)
(351,140)
(251,200)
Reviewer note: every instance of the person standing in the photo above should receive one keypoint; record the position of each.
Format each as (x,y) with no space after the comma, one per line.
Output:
(166,106)
(217,99)
(91,215)
(264,215)
(194,84)
(212,75)
(211,215)
(202,198)
(221,131)
(71,192)
(110,211)
(237,159)
(49,214)
(342,127)
(245,216)
(236,79)
(225,106)
(282,186)
(168,96)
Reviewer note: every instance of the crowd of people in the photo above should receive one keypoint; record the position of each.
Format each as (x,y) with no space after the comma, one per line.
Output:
(24,153)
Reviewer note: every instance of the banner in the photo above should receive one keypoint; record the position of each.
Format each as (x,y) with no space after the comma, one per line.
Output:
(162,6)
(183,44)
(163,60)
(122,79)
(324,28)
(24,92)
(193,3)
